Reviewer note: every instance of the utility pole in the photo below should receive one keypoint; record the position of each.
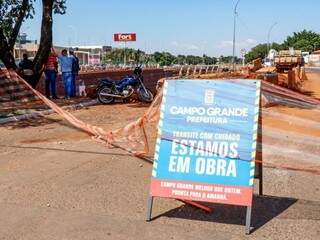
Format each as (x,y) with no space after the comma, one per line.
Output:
(269,32)
(234,36)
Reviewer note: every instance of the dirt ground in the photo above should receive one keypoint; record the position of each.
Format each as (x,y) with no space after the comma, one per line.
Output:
(57,183)
(312,87)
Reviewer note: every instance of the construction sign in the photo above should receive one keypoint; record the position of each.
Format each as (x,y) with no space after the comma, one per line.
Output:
(207,140)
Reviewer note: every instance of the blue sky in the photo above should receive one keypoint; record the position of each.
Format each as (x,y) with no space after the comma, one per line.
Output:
(179,26)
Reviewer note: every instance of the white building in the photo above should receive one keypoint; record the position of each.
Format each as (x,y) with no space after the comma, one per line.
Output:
(314,59)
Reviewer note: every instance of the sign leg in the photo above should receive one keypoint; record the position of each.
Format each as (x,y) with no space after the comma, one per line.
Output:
(260,139)
(248,220)
(260,179)
(149,211)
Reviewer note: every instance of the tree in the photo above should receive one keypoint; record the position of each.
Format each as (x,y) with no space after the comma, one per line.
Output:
(194,60)
(161,58)
(116,56)
(164,58)
(181,59)
(261,50)
(307,41)
(209,60)
(228,59)
(12,14)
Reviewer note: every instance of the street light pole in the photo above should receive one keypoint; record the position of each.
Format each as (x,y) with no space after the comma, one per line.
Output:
(234,35)
(269,32)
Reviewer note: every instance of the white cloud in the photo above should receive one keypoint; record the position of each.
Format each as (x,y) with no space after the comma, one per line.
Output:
(174,43)
(190,46)
(225,44)
(251,41)
(244,43)
(187,46)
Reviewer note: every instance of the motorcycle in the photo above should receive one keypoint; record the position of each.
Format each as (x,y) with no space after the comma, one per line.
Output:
(108,91)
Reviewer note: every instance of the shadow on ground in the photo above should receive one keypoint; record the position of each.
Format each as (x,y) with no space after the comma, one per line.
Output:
(309,93)
(32,122)
(265,208)
(146,159)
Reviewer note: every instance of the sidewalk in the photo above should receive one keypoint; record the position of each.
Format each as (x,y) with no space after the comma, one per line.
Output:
(15,110)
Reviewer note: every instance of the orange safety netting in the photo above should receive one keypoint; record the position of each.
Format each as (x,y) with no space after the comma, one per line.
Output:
(133,137)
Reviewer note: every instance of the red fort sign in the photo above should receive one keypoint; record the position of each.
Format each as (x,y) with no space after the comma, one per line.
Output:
(125,37)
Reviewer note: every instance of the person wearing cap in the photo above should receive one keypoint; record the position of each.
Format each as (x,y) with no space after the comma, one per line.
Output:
(75,71)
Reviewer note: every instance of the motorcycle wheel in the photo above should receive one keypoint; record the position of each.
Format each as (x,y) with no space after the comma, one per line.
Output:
(105,99)
(145,96)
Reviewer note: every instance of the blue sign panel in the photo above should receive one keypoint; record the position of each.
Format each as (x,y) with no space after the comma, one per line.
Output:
(207,140)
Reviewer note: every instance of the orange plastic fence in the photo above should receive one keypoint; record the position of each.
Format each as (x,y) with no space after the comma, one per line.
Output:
(133,137)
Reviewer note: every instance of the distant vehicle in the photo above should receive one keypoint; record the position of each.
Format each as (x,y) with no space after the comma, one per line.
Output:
(288,59)
(268,62)
(306,57)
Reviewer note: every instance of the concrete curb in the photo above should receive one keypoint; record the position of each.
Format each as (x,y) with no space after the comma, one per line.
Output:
(47,112)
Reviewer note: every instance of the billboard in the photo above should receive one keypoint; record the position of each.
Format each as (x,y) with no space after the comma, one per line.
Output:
(125,37)
(206,143)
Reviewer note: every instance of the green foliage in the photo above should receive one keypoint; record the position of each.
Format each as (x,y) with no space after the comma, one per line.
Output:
(181,59)
(116,56)
(228,59)
(14,11)
(164,58)
(59,6)
(307,41)
(10,12)
(261,51)
(209,60)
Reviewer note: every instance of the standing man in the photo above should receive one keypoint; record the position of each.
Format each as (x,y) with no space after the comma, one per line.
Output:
(66,70)
(25,68)
(75,71)
(51,69)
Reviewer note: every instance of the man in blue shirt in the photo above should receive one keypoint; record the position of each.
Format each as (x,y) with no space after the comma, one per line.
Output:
(75,71)
(66,69)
